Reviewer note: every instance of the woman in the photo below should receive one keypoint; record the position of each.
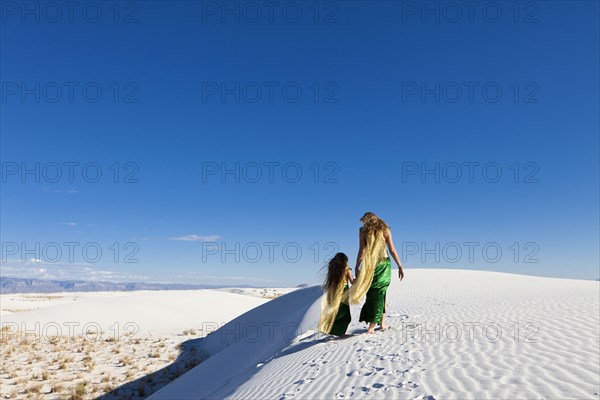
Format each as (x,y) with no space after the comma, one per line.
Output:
(376,271)
(335,311)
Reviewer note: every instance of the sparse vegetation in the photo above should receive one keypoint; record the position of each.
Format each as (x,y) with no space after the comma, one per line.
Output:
(89,362)
(79,391)
(79,368)
(35,388)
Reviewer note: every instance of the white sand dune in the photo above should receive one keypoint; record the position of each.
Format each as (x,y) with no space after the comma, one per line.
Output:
(134,342)
(150,312)
(521,337)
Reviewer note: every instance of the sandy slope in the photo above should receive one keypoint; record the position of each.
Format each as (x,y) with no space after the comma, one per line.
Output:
(521,337)
(138,350)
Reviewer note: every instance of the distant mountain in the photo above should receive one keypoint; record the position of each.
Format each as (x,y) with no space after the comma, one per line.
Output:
(33,285)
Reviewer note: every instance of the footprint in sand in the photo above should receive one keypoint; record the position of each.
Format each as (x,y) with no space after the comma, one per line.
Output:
(365,371)
(369,345)
(393,314)
(398,373)
(345,393)
(299,382)
(391,357)
(303,381)
(408,384)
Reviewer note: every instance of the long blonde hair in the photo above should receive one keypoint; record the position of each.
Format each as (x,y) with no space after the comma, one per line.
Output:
(334,289)
(374,229)
(372,222)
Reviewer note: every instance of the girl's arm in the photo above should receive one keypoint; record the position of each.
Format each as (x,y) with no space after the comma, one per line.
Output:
(390,243)
(349,276)
(361,250)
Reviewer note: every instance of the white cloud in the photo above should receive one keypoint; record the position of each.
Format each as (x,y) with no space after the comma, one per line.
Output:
(69,272)
(31,262)
(69,223)
(69,191)
(196,238)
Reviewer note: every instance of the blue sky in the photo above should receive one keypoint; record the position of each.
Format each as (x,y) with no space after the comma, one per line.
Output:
(242,145)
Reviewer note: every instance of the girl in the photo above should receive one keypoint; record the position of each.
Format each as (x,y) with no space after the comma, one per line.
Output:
(335,311)
(376,272)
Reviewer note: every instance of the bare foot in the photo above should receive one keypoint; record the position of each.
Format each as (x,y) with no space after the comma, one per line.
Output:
(371,329)
(383,325)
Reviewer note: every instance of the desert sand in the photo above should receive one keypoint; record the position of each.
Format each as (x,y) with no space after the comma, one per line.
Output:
(456,334)
(108,345)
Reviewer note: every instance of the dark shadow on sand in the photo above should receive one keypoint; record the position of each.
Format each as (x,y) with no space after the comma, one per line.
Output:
(190,355)
(192,352)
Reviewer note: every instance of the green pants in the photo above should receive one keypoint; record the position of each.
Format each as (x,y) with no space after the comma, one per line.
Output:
(342,320)
(374,306)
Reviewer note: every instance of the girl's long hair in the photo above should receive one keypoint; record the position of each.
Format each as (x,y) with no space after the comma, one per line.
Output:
(334,291)
(336,270)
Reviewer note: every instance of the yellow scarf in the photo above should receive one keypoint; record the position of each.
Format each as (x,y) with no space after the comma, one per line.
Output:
(330,306)
(372,255)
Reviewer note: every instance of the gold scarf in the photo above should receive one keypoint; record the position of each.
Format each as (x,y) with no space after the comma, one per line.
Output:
(330,306)
(372,255)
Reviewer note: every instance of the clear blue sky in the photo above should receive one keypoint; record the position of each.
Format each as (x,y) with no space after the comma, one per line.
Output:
(389,90)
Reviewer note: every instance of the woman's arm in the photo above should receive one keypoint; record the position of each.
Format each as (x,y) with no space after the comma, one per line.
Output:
(349,276)
(390,243)
(361,250)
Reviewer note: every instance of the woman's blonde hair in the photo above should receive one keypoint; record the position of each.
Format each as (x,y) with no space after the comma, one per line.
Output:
(374,229)
(372,223)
